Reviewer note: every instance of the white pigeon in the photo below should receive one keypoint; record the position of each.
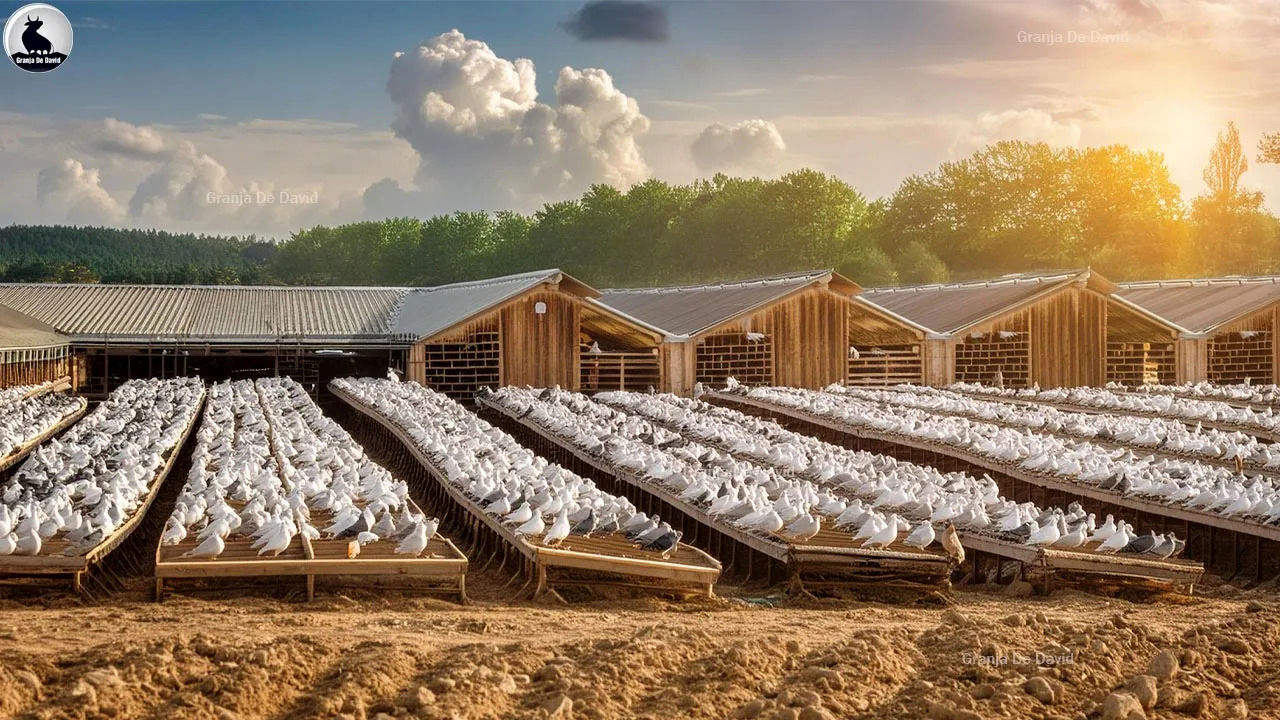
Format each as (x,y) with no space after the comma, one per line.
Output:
(559,529)
(212,547)
(533,526)
(415,542)
(921,537)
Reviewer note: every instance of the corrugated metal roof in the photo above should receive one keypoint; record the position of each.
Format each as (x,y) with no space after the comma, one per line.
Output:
(196,313)
(21,331)
(690,309)
(1201,305)
(211,313)
(950,308)
(427,311)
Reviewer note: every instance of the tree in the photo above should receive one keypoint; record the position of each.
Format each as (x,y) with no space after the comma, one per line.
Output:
(1230,230)
(1269,148)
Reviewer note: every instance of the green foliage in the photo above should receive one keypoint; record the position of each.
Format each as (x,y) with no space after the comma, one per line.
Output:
(1010,207)
(91,254)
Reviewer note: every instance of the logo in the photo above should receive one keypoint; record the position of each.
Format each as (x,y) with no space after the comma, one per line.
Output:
(37,37)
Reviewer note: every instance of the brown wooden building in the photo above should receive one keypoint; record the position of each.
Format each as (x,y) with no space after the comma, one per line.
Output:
(1047,329)
(1225,328)
(31,351)
(793,329)
(536,328)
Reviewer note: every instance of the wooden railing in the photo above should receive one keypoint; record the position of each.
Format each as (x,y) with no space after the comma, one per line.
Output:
(635,371)
(889,365)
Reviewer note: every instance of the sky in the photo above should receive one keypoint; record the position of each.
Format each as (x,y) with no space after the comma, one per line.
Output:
(239,117)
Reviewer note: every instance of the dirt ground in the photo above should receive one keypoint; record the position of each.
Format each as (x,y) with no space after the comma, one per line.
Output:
(359,654)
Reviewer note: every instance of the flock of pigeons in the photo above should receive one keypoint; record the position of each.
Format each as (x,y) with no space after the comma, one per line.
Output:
(1260,395)
(23,419)
(85,484)
(502,478)
(753,497)
(1169,406)
(1162,434)
(1193,485)
(15,393)
(269,466)
(875,486)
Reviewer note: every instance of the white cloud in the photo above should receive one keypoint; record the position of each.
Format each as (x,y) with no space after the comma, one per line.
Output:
(1030,125)
(73,193)
(477,126)
(132,141)
(750,146)
(743,92)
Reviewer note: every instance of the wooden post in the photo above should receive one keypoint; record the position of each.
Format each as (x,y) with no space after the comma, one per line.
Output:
(1192,355)
(939,361)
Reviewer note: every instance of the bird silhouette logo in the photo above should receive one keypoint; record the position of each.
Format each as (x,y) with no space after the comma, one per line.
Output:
(37,37)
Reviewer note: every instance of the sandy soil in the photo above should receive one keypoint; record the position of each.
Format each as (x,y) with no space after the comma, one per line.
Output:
(378,655)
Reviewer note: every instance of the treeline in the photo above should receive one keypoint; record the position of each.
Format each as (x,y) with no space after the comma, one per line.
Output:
(55,253)
(1010,207)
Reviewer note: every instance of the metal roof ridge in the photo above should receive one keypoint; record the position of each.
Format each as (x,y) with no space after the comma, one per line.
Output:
(759,282)
(1016,279)
(488,282)
(1223,281)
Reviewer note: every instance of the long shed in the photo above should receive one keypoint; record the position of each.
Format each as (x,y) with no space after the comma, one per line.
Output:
(530,328)
(1047,329)
(31,351)
(791,329)
(1225,327)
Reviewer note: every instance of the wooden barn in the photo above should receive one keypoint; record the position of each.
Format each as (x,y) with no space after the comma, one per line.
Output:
(789,329)
(535,328)
(31,351)
(1046,329)
(1224,328)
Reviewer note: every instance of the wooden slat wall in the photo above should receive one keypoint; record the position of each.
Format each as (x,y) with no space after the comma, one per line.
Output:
(1069,338)
(31,367)
(977,359)
(811,339)
(541,350)
(884,365)
(1232,357)
(634,371)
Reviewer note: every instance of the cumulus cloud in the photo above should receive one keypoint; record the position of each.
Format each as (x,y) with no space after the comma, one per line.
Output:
(1030,125)
(619,20)
(183,187)
(475,121)
(133,141)
(74,193)
(752,146)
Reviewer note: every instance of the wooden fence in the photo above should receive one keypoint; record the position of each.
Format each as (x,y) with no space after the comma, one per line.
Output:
(635,371)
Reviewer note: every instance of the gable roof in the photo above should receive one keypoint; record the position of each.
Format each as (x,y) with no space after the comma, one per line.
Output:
(687,310)
(19,331)
(428,311)
(1202,305)
(247,313)
(946,309)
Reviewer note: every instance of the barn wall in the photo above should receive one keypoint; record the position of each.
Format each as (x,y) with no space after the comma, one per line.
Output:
(1068,336)
(1139,350)
(1244,349)
(805,344)
(540,350)
(31,367)
(1002,346)
(811,339)
(460,362)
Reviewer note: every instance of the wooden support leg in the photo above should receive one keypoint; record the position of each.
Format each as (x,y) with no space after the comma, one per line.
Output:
(159,589)
(311,587)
